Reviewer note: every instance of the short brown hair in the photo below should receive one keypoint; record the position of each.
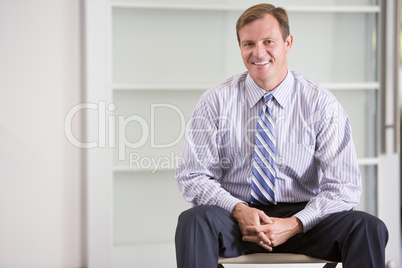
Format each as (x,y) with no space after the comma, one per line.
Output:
(258,12)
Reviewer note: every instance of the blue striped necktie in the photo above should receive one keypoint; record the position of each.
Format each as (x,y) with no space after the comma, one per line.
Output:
(264,167)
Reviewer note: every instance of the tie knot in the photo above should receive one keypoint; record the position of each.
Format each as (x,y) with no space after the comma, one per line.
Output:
(267,97)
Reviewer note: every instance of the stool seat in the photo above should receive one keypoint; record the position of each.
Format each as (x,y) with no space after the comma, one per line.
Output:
(273,258)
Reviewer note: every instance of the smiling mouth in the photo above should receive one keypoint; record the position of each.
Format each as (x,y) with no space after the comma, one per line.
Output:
(262,63)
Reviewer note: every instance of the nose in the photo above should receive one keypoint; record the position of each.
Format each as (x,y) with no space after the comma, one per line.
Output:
(259,50)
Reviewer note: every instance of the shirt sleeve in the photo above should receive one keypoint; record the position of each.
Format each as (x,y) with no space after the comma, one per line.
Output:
(199,170)
(335,155)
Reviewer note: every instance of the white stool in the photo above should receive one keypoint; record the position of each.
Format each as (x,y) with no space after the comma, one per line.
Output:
(274,258)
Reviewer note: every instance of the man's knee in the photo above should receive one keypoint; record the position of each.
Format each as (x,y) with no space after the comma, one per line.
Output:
(202,215)
(196,214)
(371,224)
(203,221)
(369,220)
(376,225)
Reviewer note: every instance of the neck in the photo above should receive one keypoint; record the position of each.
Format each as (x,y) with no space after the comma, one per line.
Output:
(271,85)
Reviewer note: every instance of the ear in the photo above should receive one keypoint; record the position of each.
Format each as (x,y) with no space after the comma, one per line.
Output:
(288,43)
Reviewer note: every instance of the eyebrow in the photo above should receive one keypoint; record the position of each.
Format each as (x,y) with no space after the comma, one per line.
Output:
(247,41)
(252,41)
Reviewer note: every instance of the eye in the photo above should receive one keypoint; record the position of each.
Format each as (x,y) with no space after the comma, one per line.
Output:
(248,44)
(267,42)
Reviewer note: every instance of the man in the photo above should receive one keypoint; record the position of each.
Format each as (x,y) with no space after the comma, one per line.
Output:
(270,162)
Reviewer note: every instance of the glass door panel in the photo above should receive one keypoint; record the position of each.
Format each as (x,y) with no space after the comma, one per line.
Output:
(362,108)
(334,47)
(146,206)
(169,47)
(150,127)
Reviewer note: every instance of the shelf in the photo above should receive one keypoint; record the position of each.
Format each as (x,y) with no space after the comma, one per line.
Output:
(307,9)
(150,169)
(370,161)
(122,87)
(329,86)
(352,86)
(367,161)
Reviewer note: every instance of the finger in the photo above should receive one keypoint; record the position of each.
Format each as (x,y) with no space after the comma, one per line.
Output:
(256,229)
(267,247)
(251,238)
(264,238)
(264,217)
(249,230)
(260,238)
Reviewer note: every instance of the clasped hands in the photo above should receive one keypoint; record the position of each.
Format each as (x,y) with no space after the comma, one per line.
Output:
(268,232)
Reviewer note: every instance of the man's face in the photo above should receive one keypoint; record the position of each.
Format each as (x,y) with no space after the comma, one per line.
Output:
(264,52)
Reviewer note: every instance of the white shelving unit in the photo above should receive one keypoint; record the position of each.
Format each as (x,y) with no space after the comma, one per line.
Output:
(152,61)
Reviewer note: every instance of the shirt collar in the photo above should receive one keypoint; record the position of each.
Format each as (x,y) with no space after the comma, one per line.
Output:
(281,93)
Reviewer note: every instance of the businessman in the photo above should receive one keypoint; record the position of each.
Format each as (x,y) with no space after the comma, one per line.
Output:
(269,161)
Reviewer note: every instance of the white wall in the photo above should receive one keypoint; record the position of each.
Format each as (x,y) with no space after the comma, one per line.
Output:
(41,184)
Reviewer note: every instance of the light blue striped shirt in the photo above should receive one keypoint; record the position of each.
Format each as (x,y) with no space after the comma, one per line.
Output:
(316,159)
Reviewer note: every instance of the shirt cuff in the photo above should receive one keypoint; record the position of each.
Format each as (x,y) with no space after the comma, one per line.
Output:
(308,218)
(229,202)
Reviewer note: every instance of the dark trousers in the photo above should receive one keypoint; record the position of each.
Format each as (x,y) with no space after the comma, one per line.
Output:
(354,238)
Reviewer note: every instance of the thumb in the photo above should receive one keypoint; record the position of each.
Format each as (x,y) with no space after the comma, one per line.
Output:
(264,218)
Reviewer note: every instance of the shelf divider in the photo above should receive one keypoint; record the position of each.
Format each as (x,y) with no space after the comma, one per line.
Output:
(329,86)
(309,9)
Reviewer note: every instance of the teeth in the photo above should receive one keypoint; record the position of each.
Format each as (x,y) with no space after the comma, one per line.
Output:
(261,63)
